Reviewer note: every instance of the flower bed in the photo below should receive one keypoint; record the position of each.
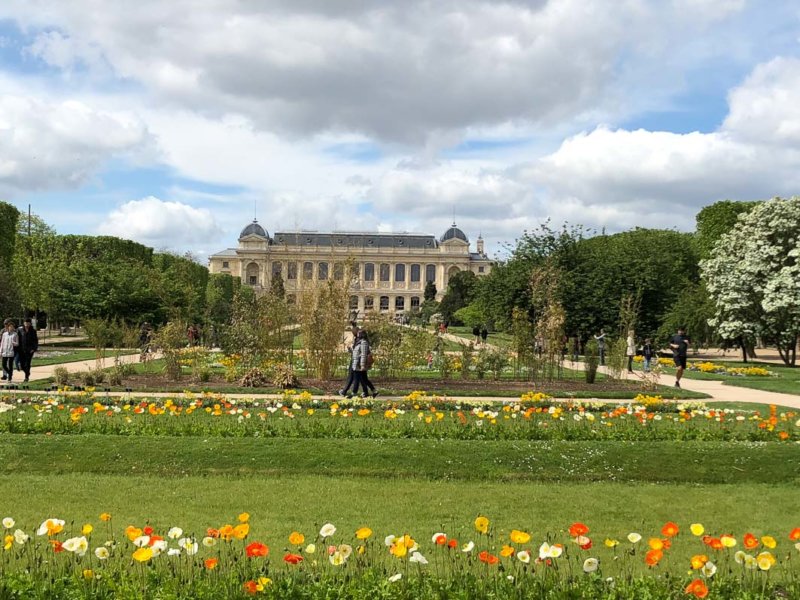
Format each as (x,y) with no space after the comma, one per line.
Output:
(103,559)
(297,415)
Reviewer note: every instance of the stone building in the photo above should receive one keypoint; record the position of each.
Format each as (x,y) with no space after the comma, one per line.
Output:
(391,269)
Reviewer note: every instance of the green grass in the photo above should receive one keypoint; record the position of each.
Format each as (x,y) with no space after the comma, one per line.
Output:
(787,381)
(71,355)
(499,339)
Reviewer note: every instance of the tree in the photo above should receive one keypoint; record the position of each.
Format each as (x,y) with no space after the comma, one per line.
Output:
(276,286)
(430,291)
(34,266)
(9,298)
(460,292)
(470,315)
(717,219)
(753,277)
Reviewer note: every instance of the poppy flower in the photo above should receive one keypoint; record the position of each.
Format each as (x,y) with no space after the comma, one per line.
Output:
(656,543)
(794,534)
(256,549)
(577,529)
(728,541)
(452,543)
(250,587)
(590,565)
(148,530)
(653,557)
(363,533)
(697,588)
(634,538)
(697,529)
(296,538)
(519,537)
(507,551)
(750,541)
(769,541)
(482,525)
(211,563)
(489,559)
(327,530)
(669,530)
(143,554)
(105,517)
(244,517)
(240,531)
(292,559)
(440,539)
(698,561)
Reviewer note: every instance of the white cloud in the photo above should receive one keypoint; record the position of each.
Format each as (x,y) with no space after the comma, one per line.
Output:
(161,223)
(45,145)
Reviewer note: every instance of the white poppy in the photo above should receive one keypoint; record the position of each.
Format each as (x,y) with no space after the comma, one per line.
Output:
(175,533)
(709,569)
(8,522)
(21,537)
(416,557)
(102,553)
(524,556)
(468,547)
(590,565)
(396,577)
(327,530)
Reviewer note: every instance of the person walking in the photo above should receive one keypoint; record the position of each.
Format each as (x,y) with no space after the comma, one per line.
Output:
(351,374)
(576,347)
(361,363)
(476,331)
(28,344)
(630,350)
(647,353)
(484,335)
(601,346)
(8,348)
(680,350)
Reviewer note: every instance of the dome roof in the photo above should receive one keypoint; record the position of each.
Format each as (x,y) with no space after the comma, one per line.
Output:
(254,229)
(454,233)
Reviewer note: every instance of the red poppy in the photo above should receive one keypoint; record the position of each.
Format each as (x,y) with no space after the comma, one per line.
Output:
(251,587)
(57,546)
(697,588)
(256,549)
(211,532)
(489,559)
(587,545)
(452,543)
(750,541)
(292,559)
(577,529)
(441,540)
(148,530)
(794,535)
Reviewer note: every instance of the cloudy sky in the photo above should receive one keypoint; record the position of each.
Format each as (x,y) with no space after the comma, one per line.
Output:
(170,124)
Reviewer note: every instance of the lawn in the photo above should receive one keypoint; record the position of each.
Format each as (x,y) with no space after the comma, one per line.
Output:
(56,355)
(787,380)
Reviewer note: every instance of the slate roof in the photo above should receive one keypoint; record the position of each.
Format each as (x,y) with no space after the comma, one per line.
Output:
(355,240)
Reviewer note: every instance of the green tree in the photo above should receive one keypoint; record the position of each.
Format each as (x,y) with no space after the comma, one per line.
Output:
(460,292)
(276,286)
(717,219)
(430,292)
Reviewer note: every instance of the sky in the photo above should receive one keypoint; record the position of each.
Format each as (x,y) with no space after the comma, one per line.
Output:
(174,125)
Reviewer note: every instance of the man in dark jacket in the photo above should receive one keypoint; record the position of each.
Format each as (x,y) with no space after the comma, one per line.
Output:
(28,344)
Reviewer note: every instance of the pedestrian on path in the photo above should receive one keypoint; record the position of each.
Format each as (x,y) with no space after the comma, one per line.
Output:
(28,344)
(576,347)
(680,349)
(647,353)
(630,350)
(361,363)
(476,331)
(484,335)
(351,374)
(8,348)
(601,346)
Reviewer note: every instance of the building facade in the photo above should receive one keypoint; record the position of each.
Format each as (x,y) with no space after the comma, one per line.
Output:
(390,269)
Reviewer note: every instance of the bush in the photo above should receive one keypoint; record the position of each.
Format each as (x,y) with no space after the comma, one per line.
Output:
(284,377)
(254,377)
(204,374)
(115,377)
(61,375)
(99,376)
(87,378)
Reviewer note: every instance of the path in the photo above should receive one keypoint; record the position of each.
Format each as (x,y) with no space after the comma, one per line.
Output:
(45,371)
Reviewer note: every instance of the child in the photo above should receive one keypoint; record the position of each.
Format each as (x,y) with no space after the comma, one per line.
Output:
(647,353)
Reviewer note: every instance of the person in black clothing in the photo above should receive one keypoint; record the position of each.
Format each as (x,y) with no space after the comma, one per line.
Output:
(484,334)
(28,344)
(476,331)
(647,353)
(680,349)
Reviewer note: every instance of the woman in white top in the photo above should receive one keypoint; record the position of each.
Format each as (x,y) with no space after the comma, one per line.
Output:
(630,351)
(8,347)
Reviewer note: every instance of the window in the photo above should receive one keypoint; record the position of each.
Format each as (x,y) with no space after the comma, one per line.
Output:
(291,299)
(252,274)
(353,302)
(322,271)
(308,271)
(385,271)
(430,273)
(400,272)
(480,269)
(291,270)
(354,271)
(277,269)
(384,303)
(369,272)
(414,302)
(369,303)
(226,264)
(252,280)
(415,273)
(338,271)
(400,303)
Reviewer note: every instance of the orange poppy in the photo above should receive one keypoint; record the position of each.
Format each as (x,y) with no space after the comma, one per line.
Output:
(698,561)
(697,588)
(750,541)
(256,549)
(296,538)
(653,557)
(452,543)
(441,540)
(794,535)
(489,559)
(211,563)
(577,529)
(506,551)
(250,587)
(655,544)
(669,530)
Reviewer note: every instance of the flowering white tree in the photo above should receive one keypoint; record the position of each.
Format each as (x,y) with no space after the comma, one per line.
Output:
(753,277)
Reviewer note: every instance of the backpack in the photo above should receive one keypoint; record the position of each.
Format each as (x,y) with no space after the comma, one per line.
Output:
(370,360)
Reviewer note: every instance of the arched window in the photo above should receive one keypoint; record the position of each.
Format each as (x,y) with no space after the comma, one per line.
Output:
(384,303)
(385,271)
(415,273)
(338,271)
(291,270)
(308,270)
(400,272)
(430,273)
(252,274)
(414,302)
(322,271)
(353,302)
(369,303)
(400,303)
(369,271)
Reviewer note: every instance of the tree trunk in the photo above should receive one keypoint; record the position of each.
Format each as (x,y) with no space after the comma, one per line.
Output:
(743,347)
